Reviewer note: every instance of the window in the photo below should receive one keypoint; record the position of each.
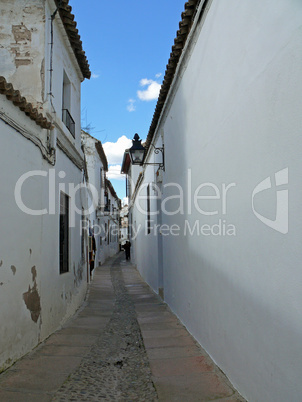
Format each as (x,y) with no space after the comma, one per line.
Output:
(64,233)
(106,209)
(66,105)
(101,178)
(148,210)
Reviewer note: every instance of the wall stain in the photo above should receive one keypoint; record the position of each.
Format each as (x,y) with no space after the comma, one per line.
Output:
(1,262)
(14,269)
(32,298)
(78,275)
(34,273)
(30,251)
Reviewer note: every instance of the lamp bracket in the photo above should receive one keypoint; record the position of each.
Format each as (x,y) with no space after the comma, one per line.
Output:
(157,151)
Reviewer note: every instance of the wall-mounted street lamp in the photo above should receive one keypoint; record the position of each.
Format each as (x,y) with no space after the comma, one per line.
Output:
(137,153)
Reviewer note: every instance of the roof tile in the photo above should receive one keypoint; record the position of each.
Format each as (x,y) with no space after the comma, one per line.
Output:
(179,43)
(73,35)
(15,97)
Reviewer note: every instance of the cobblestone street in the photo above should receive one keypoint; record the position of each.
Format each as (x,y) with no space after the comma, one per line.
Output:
(124,344)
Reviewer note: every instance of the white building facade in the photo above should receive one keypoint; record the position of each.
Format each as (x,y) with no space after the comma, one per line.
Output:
(124,223)
(220,228)
(103,219)
(43,272)
(109,241)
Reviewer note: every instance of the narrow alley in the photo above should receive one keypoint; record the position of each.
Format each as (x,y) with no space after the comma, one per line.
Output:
(124,344)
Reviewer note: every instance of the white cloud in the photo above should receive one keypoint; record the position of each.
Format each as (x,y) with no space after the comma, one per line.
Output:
(93,75)
(130,106)
(144,81)
(114,172)
(151,93)
(158,75)
(115,150)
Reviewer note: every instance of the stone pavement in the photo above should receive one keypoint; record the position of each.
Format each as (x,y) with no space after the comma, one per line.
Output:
(124,344)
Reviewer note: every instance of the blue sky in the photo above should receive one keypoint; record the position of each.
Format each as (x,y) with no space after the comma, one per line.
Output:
(128,44)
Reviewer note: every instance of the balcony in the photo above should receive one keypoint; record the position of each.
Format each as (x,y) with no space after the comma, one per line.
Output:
(68,121)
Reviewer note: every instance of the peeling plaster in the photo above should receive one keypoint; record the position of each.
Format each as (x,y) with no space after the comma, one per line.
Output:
(21,33)
(32,298)
(22,62)
(22,47)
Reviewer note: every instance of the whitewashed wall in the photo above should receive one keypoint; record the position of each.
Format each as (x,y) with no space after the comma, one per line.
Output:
(145,246)
(63,60)
(29,255)
(29,250)
(22,47)
(235,117)
(94,166)
(113,221)
(100,220)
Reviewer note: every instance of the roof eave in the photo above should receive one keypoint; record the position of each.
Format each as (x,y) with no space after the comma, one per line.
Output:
(126,162)
(70,24)
(185,25)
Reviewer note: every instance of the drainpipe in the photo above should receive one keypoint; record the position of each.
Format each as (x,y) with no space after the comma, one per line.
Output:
(52,141)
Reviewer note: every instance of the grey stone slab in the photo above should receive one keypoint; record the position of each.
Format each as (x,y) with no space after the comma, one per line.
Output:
(164,333)
(23,396)
(181,366)
(74,339)
(92,312)
(157,308)
(66,350)
(70,330)
(91,321)
(191,388)
(160,325)
(174,351)
(33,380)
(39,363)
(169,341)
(163,315)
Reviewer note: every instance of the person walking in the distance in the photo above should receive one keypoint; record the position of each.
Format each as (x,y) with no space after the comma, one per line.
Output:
(127,246)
